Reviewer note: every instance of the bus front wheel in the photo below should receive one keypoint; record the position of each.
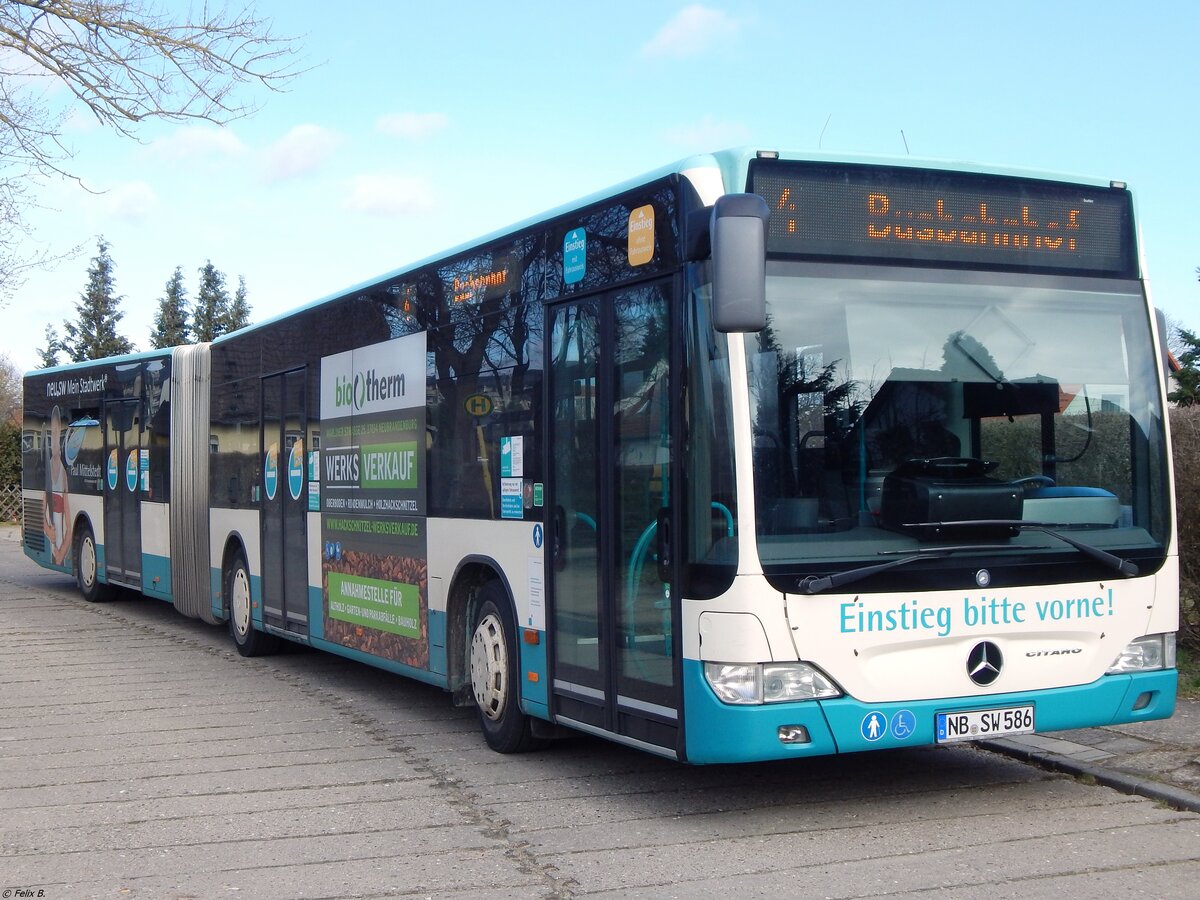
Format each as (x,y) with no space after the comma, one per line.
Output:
(248,640)
(494,677)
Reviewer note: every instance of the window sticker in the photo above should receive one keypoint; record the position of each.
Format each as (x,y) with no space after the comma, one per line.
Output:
(641,235)
(574,256)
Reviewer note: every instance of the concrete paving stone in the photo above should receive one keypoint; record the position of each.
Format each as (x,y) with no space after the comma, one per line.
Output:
(1164,881)
(1179,767)
(836,865)
(242,718)
(1048,744)
(263,777)
(1120,745)
(962,811)
(217,765)
(610,799)
(1088,736)
(392,863)
(105,813)
(583,832)
(1182,729)
(185,742)
(247,824)
(1090,754)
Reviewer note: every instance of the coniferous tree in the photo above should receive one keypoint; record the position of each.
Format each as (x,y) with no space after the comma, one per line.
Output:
(239,310)
(48,355)
(210,316)
(1187,379)
(171,321)
(94,334)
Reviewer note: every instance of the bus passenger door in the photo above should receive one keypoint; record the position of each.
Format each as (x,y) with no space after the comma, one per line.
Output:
(284,502)
(615,657)
(125,459)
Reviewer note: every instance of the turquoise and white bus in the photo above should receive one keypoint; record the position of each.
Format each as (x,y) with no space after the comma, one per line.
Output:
(759,456)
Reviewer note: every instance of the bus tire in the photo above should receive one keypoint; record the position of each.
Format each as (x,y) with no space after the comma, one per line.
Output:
(494,679)
(87,568)
(248,640)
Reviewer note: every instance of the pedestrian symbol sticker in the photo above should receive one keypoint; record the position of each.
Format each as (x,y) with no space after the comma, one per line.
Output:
(904,723)
(874,725)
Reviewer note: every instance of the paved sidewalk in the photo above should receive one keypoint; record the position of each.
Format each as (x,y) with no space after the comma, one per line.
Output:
(1159,760)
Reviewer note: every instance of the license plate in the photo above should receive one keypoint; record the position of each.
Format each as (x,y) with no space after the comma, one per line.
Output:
(975,724)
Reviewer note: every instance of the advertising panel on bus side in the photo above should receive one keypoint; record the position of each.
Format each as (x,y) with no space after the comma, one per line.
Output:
(372,482)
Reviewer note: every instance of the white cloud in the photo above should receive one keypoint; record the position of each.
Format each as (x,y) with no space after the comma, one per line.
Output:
(411,126)
(708,134)
(388,193)
(132,201)
(196,142)
(302,150)
(690,32)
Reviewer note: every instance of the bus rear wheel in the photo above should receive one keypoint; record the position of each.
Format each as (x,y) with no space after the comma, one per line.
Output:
(87,567)
(494,677)
(248,640)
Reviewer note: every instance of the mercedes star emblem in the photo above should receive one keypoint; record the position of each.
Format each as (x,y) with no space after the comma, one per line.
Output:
(984,662)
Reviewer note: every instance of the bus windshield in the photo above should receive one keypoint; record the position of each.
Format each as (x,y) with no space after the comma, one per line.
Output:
(899,409)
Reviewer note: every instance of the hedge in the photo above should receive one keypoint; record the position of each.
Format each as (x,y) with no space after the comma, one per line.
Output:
(1185,436)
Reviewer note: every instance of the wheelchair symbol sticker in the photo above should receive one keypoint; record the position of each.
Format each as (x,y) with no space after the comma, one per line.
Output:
(904,723)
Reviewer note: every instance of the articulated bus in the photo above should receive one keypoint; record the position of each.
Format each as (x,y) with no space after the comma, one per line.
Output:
(760,456)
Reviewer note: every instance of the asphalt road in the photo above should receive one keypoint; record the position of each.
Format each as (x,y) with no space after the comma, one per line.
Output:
(141,757)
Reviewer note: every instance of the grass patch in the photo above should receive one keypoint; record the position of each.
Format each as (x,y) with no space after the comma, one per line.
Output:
(1188,660)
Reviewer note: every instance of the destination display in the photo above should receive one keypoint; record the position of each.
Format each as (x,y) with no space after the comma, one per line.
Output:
(944,218)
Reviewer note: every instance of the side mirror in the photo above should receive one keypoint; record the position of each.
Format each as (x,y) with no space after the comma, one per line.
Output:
(738,232)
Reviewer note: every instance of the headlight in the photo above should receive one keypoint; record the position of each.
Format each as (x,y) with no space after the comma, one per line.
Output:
(1153,651)
(796,681)
(768,682)
(735,684)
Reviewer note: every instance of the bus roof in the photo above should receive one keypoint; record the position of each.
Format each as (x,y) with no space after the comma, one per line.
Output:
(157,353)
(729,166)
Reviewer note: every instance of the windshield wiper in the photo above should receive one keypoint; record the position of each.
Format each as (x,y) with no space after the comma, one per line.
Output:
(811,584)
(1123,566)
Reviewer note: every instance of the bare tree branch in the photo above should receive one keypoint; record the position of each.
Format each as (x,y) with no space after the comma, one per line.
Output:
(126,61)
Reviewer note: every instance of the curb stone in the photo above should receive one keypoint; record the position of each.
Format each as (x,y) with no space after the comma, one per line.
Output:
(1126,783)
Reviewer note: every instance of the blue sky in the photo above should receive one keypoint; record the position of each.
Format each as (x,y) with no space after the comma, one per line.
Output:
(420,126)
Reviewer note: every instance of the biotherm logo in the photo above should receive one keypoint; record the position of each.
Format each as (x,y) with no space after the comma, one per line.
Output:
(365,388)
(347,392)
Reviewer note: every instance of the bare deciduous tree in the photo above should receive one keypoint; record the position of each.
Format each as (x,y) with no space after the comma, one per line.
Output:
(125,61)
(10,390)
